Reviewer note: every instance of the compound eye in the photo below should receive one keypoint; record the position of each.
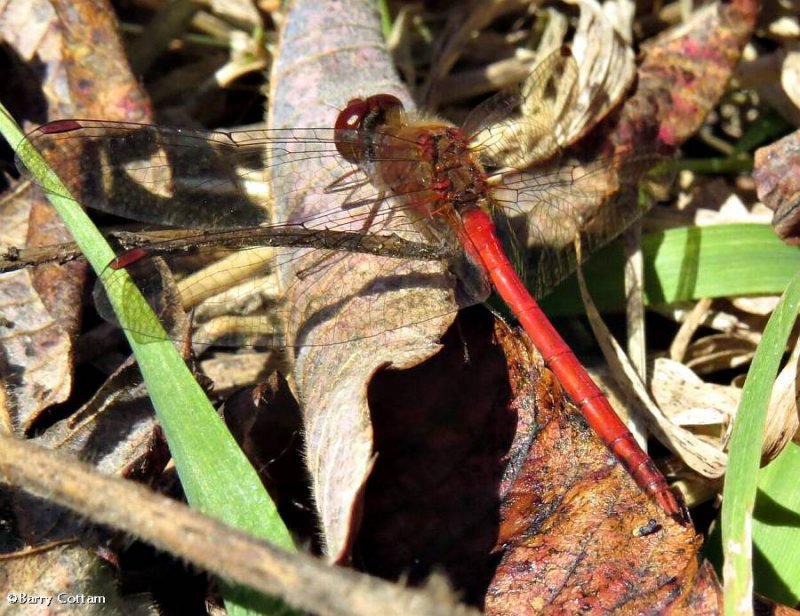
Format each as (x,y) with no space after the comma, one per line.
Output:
(347,130)
(384,105)
(352,116)
(352,131)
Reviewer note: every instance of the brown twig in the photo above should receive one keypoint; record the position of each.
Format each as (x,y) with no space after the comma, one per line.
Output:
(301,580)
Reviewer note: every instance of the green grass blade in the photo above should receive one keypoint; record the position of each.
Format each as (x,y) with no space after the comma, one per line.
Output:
(687,264)
(776,529)
(741,478)
(216,477)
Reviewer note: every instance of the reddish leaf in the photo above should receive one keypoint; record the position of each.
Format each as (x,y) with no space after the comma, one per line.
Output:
(100,81)
(576,534)
(686,69)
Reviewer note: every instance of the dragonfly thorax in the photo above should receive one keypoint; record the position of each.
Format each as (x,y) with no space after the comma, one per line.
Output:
(432,166)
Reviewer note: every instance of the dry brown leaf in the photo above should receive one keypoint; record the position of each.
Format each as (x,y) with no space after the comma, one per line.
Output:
(42,581)
(689,401)
(783,413)
(719,352)
(36,372)
(777,184)
(572,537)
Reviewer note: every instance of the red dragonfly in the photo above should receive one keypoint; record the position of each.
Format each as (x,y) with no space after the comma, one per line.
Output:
(450,182)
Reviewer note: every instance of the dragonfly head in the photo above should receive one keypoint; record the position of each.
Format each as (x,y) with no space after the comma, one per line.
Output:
(358,121)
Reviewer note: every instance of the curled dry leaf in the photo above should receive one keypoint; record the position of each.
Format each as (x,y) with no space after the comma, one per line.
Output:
(700,415)
(606,69)
(691,402)
(322,52)
(783,413)
(719,352)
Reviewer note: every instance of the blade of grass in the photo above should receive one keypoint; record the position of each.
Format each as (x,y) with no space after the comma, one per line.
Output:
(687,264)
(744,453)
(776,529)
(216,477)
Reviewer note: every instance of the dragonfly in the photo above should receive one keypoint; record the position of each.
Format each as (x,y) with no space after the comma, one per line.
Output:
(395,171)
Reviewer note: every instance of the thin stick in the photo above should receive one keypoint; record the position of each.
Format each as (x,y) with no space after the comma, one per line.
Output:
(301,580)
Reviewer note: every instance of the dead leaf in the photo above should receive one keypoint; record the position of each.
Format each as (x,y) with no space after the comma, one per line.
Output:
(85,75)
(691,402)
(687,68)
(36,370)
(66,572)
(783,412)
(777,176)
(719,352)
(59,41)
(575,532)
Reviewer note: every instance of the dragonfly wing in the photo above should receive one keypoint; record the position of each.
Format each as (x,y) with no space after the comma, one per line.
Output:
(522,124)
(175,177)
(565,95)
(548,210)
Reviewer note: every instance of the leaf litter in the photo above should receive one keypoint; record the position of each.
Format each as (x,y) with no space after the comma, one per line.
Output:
(344,480)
